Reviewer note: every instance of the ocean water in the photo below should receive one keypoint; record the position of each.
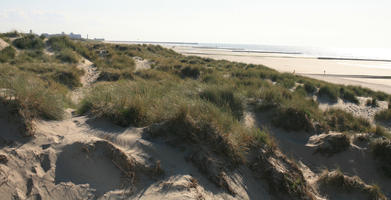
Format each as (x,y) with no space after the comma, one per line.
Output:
(341,53)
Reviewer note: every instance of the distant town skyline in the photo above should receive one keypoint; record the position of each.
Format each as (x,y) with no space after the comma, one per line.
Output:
(333,23)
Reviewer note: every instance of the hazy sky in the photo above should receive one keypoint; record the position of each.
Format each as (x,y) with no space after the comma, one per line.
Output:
(335,23)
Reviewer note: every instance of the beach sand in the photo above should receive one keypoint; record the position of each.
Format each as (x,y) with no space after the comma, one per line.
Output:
(375,75)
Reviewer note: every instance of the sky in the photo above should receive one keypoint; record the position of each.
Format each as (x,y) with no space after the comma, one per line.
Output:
(331,23)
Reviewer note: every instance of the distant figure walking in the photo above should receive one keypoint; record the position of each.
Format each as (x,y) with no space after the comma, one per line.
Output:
(294,72)
(324,72)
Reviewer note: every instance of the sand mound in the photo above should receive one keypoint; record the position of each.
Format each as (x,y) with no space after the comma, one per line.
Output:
(329,143)
(141,64)
(3,44)
(336,185)
(88,164)
(358,110)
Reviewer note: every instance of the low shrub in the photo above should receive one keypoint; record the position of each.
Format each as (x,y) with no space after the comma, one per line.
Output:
(381,149)
(339,120)
(191,72)
(71,79)
(7,54)
(309,88)
(383,116)
(293,119)
(28,42)
(287,82)
(372,103)
(59,43)
(68,56)
(340,181)
(272,97)
(330,92)
(348,95)
(11,34)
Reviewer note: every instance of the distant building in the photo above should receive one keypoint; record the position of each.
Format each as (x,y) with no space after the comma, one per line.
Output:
(75,36)
(99,39)
(71,35)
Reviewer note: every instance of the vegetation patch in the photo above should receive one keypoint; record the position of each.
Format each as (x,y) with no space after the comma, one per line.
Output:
(226,99)
(60,43)
(348,95)
(341,121)
(67,56)
(7,54)
(381,149)
(372,102)
(309,88)
(329,92)
(342,183)
(28,42)
(383,116)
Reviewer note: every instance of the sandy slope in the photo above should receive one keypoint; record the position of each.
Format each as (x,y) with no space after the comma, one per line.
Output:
(63,161)
(358,110)
(3,44)
(356,160)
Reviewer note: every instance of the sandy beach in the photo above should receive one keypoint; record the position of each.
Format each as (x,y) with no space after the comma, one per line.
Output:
(375,75)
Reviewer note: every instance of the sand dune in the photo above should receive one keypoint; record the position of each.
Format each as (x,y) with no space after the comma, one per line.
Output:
(3,44)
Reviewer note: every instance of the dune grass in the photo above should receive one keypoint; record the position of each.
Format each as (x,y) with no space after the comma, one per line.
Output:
(329,92)
(381,149)
(383,116)
(7,54)
(35,98)
(185,113)
(225,98)
(68,56)
(61,43)
(339,120)
(28,42)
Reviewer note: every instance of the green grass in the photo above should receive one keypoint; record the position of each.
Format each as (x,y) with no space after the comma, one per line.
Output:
(34,98)
(225,98)
(132,103)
